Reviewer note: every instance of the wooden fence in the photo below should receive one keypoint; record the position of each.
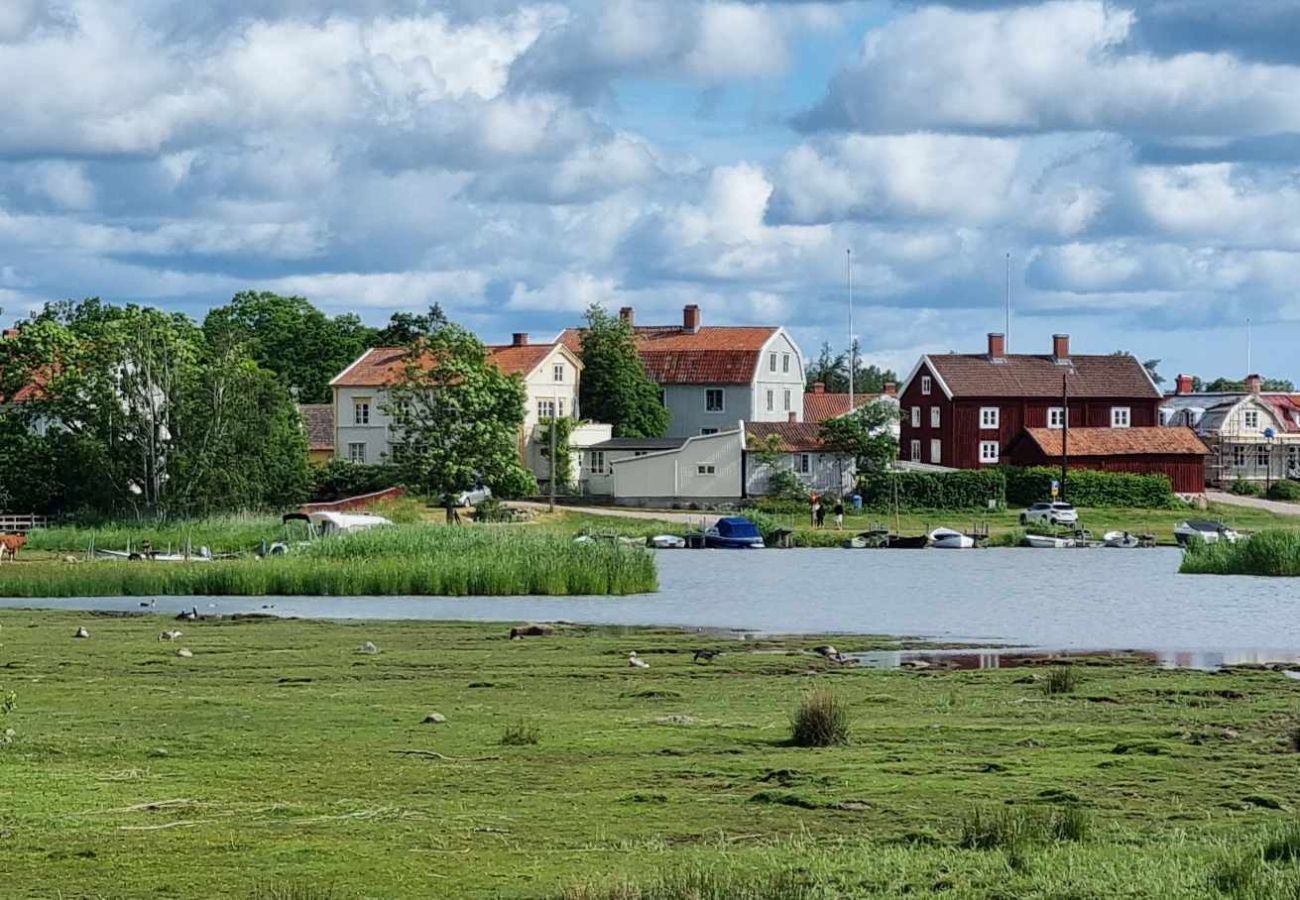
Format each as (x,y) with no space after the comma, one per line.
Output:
(12,523)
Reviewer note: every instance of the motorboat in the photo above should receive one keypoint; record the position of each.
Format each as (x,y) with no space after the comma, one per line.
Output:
(203,554)
(865,540)
(1048,542)
(327,523)
(948,539)
(1122,539)
(1207,530)
(667,542)
(907,542)
(733,533)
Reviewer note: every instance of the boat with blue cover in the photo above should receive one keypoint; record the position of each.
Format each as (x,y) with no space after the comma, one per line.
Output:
(733,533)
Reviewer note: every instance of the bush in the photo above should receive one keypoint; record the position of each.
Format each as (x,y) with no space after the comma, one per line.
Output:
(1288,490)
(1089,487)
(339,478)
(1243,488)
(521,733)
(1061,680)
(966,489)
(820,721)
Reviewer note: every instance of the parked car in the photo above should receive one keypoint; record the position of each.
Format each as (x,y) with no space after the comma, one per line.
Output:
(473,497)
(1207,530)
(1050,514)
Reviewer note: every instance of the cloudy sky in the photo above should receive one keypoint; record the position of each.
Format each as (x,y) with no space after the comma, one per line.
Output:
(517,161)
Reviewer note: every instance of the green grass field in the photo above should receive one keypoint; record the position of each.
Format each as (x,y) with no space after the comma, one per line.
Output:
(278,761)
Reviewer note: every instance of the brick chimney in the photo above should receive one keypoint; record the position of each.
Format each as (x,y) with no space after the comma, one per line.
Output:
(1060,347)
(1183,385)
(891,389)
(1254,383)
(628,315)
(520,339)
(997,345)
(819,387)
(691,318)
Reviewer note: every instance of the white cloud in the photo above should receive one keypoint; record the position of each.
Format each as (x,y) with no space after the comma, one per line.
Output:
(1223,203)
(569,292)
(413,290)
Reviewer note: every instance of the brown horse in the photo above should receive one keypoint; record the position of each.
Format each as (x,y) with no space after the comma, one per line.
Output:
(10,544)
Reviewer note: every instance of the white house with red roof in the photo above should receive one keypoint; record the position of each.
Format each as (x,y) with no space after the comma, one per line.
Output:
(363,429)
(715,375)
(1252,434)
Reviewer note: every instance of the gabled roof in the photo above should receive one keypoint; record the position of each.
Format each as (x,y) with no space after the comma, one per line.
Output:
(712,354)
(796,437)
(1029,375)
(382,366)
(1084,442)
(631,443)
(318,419)
(818,406)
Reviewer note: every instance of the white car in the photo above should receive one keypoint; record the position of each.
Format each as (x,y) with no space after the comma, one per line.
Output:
(1054,514)
(1207,530)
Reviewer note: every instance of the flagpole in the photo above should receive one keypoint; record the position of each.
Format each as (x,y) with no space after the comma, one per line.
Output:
(853,344)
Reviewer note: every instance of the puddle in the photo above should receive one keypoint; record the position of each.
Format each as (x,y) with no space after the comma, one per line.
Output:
(1016,657)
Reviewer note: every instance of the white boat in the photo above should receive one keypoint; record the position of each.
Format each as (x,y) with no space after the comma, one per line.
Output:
(1047,542)
(667,542)
(948,539)
(202,555)
(1208,530)
(327,523)
(1121,539)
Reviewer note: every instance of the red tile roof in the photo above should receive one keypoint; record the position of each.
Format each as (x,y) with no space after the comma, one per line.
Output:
(1025,375)
(1286,407)
(819,406)
(1158,441)
(318,418)
(715,354)
(796,437)
(382,366)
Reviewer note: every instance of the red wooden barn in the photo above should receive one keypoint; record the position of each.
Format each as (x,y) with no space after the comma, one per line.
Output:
(1176,452)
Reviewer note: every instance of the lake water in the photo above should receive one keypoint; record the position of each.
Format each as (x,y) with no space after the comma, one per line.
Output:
(1063,600)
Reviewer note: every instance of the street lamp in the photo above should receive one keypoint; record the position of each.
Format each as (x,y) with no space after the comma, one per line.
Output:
(1269,435)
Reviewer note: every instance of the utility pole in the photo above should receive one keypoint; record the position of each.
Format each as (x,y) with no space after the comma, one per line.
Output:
(853,341)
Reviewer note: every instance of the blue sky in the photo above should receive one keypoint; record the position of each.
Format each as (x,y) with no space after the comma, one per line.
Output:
(519,161)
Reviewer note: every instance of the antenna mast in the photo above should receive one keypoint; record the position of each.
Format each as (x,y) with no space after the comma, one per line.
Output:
(853,344)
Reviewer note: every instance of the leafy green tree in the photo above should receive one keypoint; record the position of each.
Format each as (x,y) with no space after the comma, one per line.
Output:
(615,387)
(863,436)
(1229,385)
(770,452)
(292,338)
(457,418)
(405,327)
(832,370)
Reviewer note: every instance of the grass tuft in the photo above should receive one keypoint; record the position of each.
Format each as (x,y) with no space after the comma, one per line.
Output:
(1013,829)
(1283,845)
(292,891)
(700,883)
(821,720)
(521,733)
(1061,680)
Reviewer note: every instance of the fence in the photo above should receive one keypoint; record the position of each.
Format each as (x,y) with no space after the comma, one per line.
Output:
(11,523)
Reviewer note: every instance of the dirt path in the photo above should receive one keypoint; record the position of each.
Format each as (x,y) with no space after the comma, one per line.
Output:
(1273,506)
(677,518)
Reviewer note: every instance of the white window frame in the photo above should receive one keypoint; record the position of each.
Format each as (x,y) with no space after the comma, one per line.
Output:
(936,451)
(1121,416)
(989,452)
(360,410)
(1250,418)
(785,363)
(1262,456)
(706,470)
(936,416)
(597,462)
(990,418)
(771,362)
(915,450)
(788,400)
(357,451)
(709,395)
(559,407)
(557,372)
(546,408)
(771,400)
(916,417)
(802,463)
(927,385)
(1056,417)
(1238,456)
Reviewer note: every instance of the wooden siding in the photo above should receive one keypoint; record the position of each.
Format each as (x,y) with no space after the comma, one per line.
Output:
(1186,473)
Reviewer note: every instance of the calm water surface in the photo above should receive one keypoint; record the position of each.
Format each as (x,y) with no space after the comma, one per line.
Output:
(1068,599)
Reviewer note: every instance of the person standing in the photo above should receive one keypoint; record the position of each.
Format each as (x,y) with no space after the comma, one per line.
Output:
(839,514)
(812,509)
(820,515)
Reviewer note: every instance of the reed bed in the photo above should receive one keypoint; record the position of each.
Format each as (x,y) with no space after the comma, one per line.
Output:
(402,560)
(1274,553)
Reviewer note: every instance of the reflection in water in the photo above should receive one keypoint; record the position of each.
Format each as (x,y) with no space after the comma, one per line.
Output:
(1016,657)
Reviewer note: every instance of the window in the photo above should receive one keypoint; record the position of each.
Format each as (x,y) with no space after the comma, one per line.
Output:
(1119,417)
(803,463)
(1252,419)
(936,450)
(546,409)
(926,385)
(988,451)
(1056,417)
(787,401)
(706,469)
(771,362)
(1292,458)
(663,397)
(357,451)
(769,401)
(713,400)
(916,417)
(934,416)
(557,372)
(989,417)
(636,453)
(361,411)
(708,431)
(1239,456)
(785,362)
(916,451)
(597,462)
(1261,455)
(559,407)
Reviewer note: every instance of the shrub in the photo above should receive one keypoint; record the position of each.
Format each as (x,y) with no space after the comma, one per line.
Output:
(1288,490)
(1243,488)
(966,489)
(1088,487)
(821,720)
(493,509)
(521,733)
(1061,680)
(339,478)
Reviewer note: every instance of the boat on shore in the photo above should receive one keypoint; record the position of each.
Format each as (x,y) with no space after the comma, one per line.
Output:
(667,542)
(733,533)
(1048,542)
(950,539)
(883,539)
(1122,540)
(1207,530)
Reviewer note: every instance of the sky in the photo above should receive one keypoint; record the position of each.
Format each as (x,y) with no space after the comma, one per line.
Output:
(516,162)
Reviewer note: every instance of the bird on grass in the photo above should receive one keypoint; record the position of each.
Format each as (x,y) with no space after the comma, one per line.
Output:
(707,655)
(82,633)
(636,662)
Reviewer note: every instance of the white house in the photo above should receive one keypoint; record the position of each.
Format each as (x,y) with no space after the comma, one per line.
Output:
(364,430)
(706,468)
(803,453)
(712,376)
(1253,434)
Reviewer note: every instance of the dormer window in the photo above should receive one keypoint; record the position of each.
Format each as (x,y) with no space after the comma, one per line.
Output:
(1251,417)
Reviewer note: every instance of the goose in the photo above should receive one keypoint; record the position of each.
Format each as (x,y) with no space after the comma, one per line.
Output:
(636,662)
(169,635)
(188,615)
(82,633)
